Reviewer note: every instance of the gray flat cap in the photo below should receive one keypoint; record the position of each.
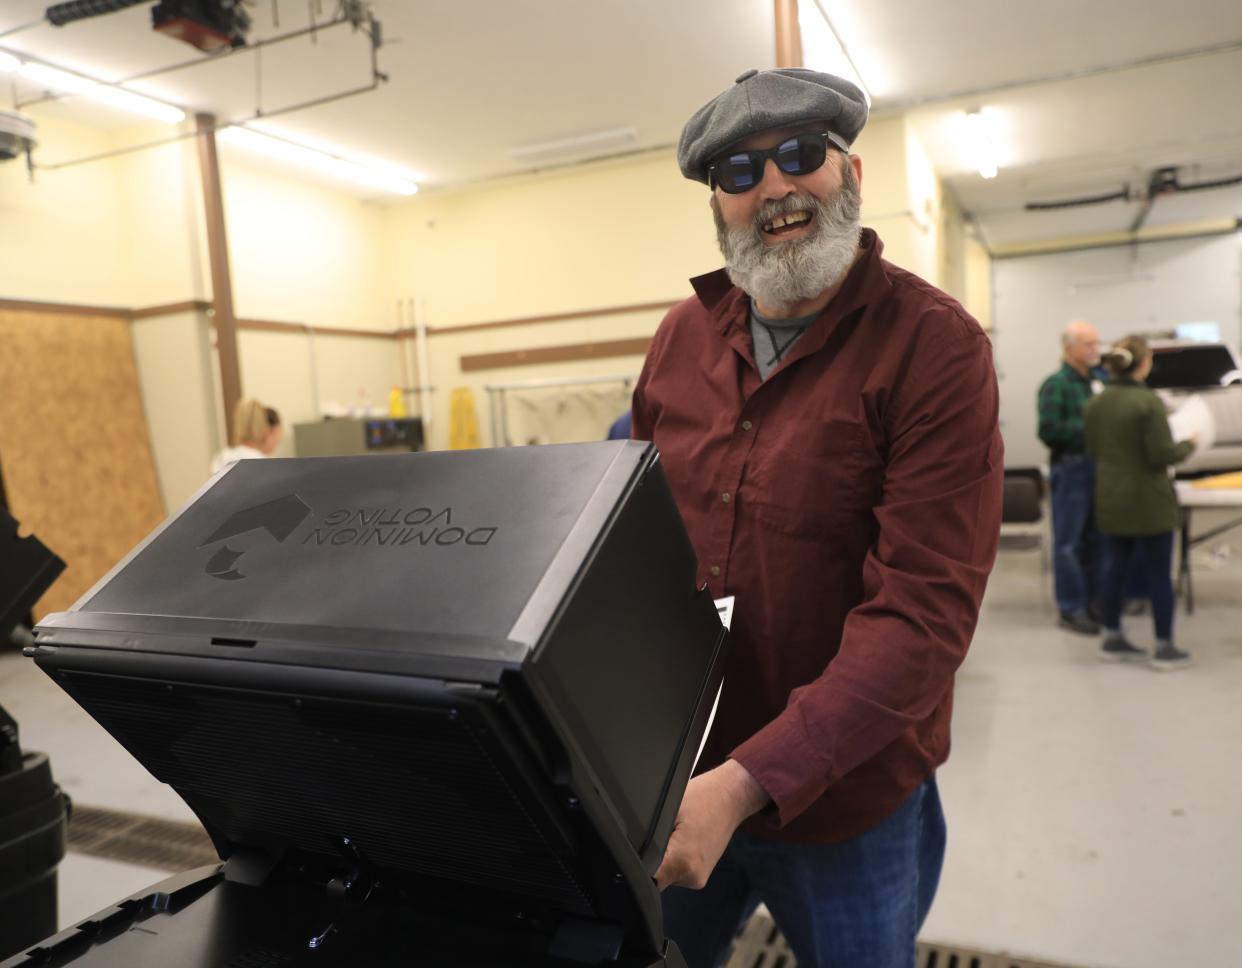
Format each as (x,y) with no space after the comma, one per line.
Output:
(759,100)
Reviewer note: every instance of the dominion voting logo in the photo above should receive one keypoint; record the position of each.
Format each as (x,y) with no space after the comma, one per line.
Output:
(343,527)
(279,518)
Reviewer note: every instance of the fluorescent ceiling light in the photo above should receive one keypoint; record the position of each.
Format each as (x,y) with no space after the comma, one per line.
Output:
(8,63)
(822,48)
(980,143)
(59,81)
(383,177)
(593,143)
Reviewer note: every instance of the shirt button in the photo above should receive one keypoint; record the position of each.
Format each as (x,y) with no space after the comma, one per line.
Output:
(726,497)
(715,571)
(746,425)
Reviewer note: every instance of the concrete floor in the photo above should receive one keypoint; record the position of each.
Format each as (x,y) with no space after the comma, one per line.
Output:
(1093,809)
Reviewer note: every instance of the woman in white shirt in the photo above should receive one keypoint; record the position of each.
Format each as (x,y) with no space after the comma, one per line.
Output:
(256,430)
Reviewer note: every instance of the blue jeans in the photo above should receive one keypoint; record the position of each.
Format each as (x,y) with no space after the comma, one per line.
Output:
(1078,553)
(1151,557)
(846,905)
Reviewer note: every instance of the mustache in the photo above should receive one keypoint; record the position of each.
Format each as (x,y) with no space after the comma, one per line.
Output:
(788,205)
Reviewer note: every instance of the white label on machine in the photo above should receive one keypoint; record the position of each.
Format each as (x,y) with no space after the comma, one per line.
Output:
(724,608)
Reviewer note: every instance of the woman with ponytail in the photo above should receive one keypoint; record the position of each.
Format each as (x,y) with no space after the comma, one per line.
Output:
(256,433)
(1136,507)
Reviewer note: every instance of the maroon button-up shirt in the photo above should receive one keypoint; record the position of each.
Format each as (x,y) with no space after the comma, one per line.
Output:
(852,503)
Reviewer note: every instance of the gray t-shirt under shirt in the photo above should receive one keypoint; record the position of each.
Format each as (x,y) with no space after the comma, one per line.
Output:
(772,339)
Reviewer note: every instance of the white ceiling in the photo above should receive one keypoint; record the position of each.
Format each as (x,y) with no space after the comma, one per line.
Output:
(1088,97)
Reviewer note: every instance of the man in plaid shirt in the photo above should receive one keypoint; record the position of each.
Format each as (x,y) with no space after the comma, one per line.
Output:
(1078,552)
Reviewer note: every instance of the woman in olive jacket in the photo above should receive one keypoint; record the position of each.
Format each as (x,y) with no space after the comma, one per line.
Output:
(1136,506)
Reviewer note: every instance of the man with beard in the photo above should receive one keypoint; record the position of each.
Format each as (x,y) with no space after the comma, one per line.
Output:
(828,425)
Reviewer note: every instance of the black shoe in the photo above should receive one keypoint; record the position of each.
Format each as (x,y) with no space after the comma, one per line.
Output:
(1079,622)
(1120,650)
(1170,657)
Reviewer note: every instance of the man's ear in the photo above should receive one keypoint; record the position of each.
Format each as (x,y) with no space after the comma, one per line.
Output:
(856,161)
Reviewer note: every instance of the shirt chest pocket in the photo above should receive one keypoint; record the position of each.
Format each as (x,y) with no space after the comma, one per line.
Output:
(819,479)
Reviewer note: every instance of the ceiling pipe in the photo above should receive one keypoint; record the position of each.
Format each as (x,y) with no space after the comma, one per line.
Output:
(900,107)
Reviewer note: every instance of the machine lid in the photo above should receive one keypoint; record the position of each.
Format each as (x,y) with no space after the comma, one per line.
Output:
(421,544)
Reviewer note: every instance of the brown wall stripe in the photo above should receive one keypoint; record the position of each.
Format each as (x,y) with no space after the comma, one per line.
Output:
(63,309)
(171,309)
(532,356)
(556,354)
(554,318)
(275,327)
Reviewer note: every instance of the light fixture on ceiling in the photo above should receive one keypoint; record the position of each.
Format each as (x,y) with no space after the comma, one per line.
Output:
(368,174)
(822,47)
(56,80)
(594,143)
(980,142)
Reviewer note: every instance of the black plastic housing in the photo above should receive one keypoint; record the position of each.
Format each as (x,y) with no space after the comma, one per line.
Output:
(27,570)
(479,676)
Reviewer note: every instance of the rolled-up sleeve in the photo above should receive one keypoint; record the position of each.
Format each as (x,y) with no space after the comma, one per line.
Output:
(923,581)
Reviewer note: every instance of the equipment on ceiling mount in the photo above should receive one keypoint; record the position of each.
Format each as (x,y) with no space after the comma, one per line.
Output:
(1161,181)
(215,26)
(209,25)
(60,14)
(17,135)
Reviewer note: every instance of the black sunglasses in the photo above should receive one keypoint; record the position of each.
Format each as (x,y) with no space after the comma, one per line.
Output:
(740,171)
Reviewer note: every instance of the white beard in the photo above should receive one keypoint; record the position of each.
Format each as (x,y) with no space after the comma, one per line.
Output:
(777,276)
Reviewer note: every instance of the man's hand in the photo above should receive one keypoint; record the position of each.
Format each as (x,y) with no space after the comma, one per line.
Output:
(714,806)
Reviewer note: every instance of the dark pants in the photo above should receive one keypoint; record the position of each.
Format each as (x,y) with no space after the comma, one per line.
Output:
(848,905)
(1078,562)
(1152,557)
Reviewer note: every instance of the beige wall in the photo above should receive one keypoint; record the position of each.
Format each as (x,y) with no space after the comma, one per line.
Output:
(921,225)
(923,200)
(978,282)
(602,236)
(174,360)
(129,232)
(164,245)
(285,370)
(303,252)
(901,196)
(952,247)
(62,234)
(121,232)
(586,415)
(599,237)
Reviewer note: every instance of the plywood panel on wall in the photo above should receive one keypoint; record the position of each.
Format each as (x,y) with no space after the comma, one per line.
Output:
(74,447)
